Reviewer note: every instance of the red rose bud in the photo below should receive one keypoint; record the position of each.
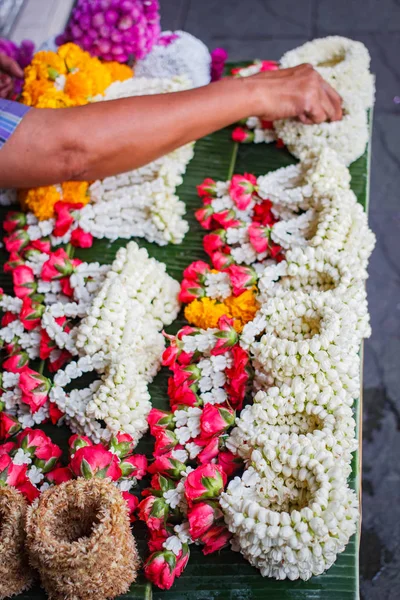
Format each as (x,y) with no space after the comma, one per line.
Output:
(214,241)
(154,512)
(202,516)
(46,457)
(134,466)
(209,452)
(269,65)
(14,261)
(31,313)
(229,462)
(205,482)
(159,420)
(183,393)
(64,218)
(28,490)
(77,441)
(23,281)
(81,238)
(132,503)
(242,135)
(158,485)
(8,448)
(168,466)
(182,560)
(9,426)
(197,271)
(222,260)
(42,245)
(59,265)
(55,413)
(267,124)
(226,218)
(190,290)
(55,365)
(280,143)
(95,461)
(262,213)
(157,539)
(8,318)
(242,278)
(66,287)
(227,336)
(16,241)
(237,377)
(207,188)
(215,539)
(259,237)
(215,419)
(166,441)
(11,474)
(160,567)
(35,388)
(14,220)
(241,189)
(204,215)
(31,439)
(17,362)
(59,475)
(122,444)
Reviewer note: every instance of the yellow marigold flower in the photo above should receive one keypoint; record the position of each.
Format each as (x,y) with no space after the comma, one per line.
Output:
(34,90)
(54,98)
(99,76)
(118,71)
(54,63)
(75,192)
(40,200)
(78,87)
(243,307)
(73,56)
(205,312)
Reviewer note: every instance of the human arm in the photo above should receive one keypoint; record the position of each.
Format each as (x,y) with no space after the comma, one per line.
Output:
(106,138)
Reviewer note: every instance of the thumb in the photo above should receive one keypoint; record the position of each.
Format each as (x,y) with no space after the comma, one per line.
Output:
(10,66)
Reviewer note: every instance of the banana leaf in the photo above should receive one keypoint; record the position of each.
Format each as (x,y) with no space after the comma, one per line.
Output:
(226,575)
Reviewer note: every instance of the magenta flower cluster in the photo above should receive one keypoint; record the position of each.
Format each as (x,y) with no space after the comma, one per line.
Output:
(22,54)
(114,29)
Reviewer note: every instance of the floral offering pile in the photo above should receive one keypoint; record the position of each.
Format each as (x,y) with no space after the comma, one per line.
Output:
(255,450)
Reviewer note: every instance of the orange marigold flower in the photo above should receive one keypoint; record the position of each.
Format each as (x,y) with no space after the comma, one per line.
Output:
(34,90)
(73,56)
(75,192)
(243,307)
(118,71)
(40,200)
(78,87)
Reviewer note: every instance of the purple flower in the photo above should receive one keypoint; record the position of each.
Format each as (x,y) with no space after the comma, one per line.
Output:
(114,29)
(218,60)
(22,54)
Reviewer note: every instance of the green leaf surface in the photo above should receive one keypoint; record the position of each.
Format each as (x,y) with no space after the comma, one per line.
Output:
(226,575)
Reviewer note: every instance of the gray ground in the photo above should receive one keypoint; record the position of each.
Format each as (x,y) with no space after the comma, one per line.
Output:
(265,29)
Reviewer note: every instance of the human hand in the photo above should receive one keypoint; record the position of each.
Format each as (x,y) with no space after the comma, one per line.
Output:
(9,69)
(297,92)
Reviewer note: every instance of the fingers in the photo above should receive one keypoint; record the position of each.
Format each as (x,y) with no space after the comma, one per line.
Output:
(10,66)
(6,86)
(323,102)
(336,102)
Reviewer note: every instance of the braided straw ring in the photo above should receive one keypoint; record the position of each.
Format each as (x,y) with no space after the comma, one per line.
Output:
(79,539)
(15,575)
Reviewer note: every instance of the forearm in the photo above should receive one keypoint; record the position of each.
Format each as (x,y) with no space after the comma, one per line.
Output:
(98,140)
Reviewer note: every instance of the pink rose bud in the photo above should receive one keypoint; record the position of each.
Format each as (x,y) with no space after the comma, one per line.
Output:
(226,219)
(81,238)
(11,474)
(204,215)
(229,462)
(9,426)
(27,489)
(8,448)
(259,237)
(222,260)
(215,419)
(23,281)
(241,189)
(182,560)
(242,135)
(14,261)
(166,441)
(34,387)
(14,220)
(16,241)
(59,475)
(95,461)
(205,482)
(77,441)
(237,377)
(215,539)
(154,512)
(17,362)
(226,336)
(168,466)
(242,278)
(214,241)
(31,439)
(159,420)
(64,218)
(47,456)
(269,65)
(134,466)
(160,567)
(59,265)
(190,290)
(132,502)
(31,313)
(209,452)
(122,444)
(207,188)
(201,517)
